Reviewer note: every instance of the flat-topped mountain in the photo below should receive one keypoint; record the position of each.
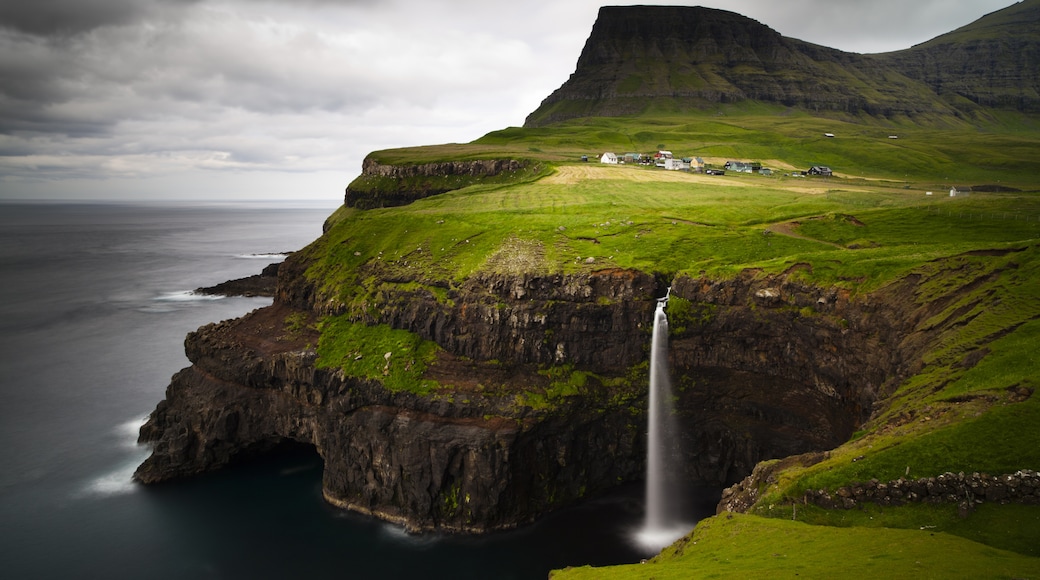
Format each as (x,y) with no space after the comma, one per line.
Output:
(654,59)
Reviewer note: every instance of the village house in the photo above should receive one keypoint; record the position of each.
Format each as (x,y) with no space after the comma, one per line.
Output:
(676,164)
(609,158)
(743,166)
(821,170)
(660,157)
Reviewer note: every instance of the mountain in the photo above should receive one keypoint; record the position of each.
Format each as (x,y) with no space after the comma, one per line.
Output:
(641,59)
(992,62)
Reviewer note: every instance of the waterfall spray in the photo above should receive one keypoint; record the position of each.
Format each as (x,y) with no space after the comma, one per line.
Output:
(661,526)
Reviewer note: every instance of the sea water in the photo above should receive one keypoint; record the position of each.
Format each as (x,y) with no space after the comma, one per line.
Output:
(95,301)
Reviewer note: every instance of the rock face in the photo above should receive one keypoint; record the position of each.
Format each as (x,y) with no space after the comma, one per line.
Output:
(765,367)
(688,58)
(263,284)
(386,185)
(469,462)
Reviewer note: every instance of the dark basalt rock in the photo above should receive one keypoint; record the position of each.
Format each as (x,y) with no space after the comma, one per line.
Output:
(263,284)
(474,464)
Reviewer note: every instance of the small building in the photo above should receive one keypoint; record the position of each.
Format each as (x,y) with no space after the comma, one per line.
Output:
(829,135)
(632,158)
(821,170)
(960,191)
(676,164)
(743,166)
(609,158)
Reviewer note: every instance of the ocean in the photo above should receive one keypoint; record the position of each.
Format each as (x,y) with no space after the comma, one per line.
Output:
(95,302)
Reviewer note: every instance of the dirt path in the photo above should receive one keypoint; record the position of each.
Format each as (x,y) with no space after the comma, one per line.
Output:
(787,229)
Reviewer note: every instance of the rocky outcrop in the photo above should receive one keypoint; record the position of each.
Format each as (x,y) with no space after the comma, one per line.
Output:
(263,284)
(387,185)
(967,491)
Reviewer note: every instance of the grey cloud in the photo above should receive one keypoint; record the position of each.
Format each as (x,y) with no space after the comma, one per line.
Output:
(63,17)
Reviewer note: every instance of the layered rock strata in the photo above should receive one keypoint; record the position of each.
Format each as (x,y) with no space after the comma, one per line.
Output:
(765,367)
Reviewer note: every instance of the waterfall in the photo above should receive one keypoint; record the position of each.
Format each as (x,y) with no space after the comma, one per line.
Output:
(662,525)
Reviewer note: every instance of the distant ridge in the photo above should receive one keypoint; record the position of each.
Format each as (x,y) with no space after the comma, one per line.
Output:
(992,62)
(663,59)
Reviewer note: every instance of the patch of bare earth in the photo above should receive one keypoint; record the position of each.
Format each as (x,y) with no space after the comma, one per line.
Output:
(517,256)
(789,229)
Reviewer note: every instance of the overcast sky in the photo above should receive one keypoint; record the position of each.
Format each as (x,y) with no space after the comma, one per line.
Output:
(267,99)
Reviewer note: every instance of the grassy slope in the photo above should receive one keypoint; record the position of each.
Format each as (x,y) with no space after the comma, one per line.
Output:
(948,417)
(742,546)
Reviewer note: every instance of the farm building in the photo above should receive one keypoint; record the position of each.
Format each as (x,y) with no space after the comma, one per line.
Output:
(609,158)
(743,166)
(820,170)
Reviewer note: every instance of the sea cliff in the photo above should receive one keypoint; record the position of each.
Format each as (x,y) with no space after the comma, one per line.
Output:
(767,367)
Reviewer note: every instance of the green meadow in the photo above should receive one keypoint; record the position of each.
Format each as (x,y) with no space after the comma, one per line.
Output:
(743,546)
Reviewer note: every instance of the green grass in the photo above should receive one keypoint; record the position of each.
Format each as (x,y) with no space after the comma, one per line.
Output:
(1001,440)
(743,546)
(361,350)
(1011,527)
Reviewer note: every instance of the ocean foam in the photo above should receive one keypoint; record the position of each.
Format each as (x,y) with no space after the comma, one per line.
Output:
(117,482)
(187,296)
(129,432)
(120,480)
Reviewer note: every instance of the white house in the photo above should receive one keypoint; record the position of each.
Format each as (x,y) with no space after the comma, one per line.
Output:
(608,157)
(676,164)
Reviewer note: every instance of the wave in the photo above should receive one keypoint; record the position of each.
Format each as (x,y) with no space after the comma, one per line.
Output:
(129,432)
(187,296)
(397,534)
(120,481)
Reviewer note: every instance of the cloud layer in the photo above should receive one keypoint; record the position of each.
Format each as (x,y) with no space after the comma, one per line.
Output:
(116,98)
